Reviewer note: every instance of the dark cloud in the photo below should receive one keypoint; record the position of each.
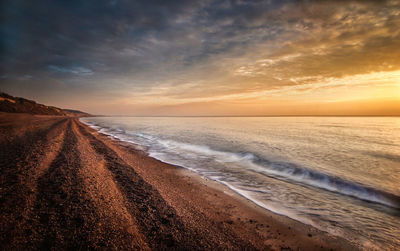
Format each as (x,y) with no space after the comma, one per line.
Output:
(120,37)
(70,32)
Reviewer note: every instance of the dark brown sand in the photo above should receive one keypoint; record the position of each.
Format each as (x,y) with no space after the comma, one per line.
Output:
(64,186)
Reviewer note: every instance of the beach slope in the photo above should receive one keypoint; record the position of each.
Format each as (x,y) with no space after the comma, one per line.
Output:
(64,186)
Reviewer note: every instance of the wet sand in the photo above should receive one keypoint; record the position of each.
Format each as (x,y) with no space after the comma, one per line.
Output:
(65,186)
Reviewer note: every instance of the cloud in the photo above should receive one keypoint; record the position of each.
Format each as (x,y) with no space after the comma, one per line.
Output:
(78,70)
(205,49)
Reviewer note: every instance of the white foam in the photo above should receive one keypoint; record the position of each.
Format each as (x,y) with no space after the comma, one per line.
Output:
(221,156)
(331,184)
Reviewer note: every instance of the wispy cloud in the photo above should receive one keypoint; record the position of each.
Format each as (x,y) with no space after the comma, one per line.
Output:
(77,70)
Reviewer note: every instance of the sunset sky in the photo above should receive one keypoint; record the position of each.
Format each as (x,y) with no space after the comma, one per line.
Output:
(123,57)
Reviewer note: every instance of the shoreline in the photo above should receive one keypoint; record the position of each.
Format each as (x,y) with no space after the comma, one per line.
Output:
(257,211)
(78,188)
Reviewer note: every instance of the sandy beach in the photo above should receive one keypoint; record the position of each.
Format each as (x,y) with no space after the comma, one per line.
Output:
(65,186)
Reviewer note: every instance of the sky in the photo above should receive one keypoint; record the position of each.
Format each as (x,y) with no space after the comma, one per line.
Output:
(206,57)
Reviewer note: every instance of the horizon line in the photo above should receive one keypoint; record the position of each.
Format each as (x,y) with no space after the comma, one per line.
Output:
(199,116)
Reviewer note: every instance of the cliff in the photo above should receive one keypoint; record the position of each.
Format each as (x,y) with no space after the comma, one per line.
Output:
(12,104)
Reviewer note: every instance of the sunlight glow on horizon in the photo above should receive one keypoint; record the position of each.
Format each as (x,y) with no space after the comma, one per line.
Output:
(375,85)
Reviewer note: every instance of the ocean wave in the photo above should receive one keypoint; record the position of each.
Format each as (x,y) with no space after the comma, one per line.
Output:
(323,181)
(220,156)
(292,172)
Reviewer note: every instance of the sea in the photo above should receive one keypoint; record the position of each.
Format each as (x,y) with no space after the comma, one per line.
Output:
(338,174)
